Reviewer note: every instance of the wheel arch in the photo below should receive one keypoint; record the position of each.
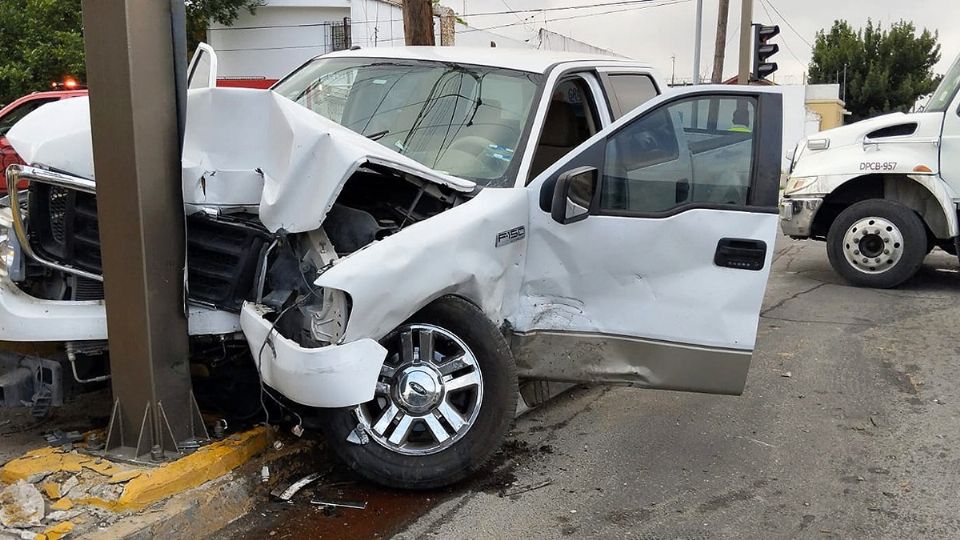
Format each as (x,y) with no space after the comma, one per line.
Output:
(926,195)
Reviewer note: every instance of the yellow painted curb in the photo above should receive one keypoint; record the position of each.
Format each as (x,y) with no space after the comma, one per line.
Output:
(207,463)
(40,462)
(148,485)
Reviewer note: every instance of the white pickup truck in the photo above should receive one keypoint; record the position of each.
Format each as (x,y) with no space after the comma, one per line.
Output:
(882,192)
(409,238)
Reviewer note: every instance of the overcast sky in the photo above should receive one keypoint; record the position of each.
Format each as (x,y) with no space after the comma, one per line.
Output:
(655,34)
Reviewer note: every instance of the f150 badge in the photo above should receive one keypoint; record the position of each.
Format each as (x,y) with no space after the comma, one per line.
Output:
(514,234)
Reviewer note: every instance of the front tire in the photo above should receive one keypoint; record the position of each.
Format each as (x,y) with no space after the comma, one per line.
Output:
(877,243)
(445,401)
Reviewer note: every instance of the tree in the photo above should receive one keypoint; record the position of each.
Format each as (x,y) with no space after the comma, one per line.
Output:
(886,70)
(201,12)
(42,40)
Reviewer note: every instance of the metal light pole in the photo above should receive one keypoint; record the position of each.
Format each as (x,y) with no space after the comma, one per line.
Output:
(136,73)
(697,39)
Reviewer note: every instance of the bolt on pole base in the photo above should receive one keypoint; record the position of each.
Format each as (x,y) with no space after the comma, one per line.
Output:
(156,441)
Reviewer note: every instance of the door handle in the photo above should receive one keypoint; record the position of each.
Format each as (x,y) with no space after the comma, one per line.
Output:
(740,253)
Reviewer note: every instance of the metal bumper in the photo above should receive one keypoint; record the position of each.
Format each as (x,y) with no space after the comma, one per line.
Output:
(796,215)
(331,376)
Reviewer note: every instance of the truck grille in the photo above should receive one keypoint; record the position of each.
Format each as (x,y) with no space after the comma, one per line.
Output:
(63,226)
(222,256)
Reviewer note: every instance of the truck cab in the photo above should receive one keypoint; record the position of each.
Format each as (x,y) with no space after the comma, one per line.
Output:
(408,241)
(882,193)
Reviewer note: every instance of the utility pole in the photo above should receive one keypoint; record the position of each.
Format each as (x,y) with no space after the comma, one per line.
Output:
(418,22)
(720,44)
(746,29)
(673,72)
(136,70)
(697,43)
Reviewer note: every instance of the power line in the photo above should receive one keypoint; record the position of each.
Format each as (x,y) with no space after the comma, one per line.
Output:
(469,29)
(763,4)
(799,35)
(515,12)
(556,19)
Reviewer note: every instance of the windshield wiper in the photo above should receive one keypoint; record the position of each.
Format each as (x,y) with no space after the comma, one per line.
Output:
(378,135)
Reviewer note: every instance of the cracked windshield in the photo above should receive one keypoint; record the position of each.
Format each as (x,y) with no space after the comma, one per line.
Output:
(466,121)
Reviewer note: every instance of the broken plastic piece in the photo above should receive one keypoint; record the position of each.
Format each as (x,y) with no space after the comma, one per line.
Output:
(291,490)
(358,505)
(265,474)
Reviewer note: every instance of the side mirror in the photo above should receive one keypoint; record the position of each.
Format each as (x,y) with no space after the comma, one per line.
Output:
(573,195)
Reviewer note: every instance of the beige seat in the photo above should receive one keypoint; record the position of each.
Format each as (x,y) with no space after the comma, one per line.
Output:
(561,134)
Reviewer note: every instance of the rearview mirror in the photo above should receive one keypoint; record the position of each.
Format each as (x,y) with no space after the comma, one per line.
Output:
(573,196)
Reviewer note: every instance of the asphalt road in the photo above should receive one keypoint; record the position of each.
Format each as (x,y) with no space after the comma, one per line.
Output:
(847,429)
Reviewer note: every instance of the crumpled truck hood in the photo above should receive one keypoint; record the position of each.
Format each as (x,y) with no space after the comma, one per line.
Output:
(242,148)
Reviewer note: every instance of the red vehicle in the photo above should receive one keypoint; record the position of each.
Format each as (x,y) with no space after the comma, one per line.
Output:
(12,113)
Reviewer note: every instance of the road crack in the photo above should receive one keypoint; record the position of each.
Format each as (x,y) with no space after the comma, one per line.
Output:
(779,304)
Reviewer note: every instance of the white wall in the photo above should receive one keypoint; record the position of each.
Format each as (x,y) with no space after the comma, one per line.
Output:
(794,119)
(467,36)
(552,41)
(380,24)
(274,52)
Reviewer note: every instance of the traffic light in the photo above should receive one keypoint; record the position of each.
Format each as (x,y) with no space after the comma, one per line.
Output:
(762,50)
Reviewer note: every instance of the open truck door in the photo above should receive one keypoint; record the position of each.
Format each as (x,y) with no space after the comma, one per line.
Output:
(650,246)
(202,71)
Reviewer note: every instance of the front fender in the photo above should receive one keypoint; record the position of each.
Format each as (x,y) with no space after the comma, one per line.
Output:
(455,252)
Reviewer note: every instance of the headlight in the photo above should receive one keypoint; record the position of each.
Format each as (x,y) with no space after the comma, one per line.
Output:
(11,262)
(797,184)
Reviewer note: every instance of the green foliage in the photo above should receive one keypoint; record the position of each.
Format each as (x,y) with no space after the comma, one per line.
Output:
(40,43)
(200,12)
(886,70)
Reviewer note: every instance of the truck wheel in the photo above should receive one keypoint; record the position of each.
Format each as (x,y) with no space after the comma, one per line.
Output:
(877,243)
(445,400)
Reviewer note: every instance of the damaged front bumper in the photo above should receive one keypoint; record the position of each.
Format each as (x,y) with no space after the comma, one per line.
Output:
(797,214)
(330,377)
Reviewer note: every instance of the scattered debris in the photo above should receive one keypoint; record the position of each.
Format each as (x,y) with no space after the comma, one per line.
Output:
(786,374)
(277,445)
(52,490)
(68,485)
(939,401)
(60,438)
(358,505)
(63,515)
(874,422)
(524,489)
(58,531)
(265,474)
(21,505)
(756,441)
(103,467)
(63,504)
(124,476)
(288,492)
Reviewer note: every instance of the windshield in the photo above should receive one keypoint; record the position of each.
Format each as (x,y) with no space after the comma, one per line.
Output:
(466,121)
(944,93)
